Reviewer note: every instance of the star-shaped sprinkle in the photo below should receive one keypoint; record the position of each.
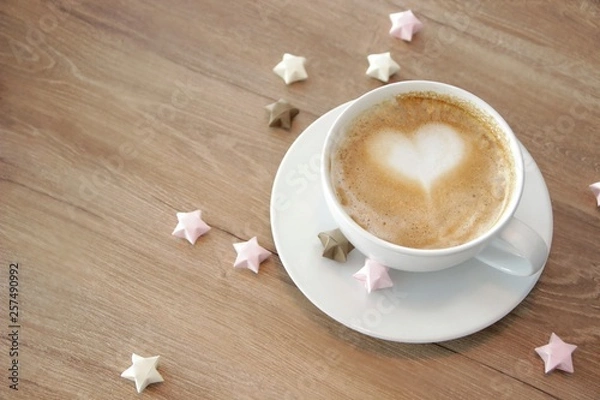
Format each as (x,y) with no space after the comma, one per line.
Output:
(281,114)
(143,371)
(557,354)
(335,245)
(190,226)
(374,275)
(381,66)
(405,25)
(250,254)
(291,68)
(595,188)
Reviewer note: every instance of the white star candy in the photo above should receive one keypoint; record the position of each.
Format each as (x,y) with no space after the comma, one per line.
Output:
(143,371)
(291,68)
(595,188)
(374,275)
(190,226)
(250,254)
(405,25)
(557,354)
(382,66)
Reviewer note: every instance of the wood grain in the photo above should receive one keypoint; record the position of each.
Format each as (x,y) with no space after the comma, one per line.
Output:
(114,115)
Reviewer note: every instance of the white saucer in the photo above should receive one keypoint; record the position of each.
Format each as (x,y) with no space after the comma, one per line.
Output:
(421,307)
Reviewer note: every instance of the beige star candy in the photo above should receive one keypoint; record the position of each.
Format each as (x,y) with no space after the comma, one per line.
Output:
(281,114)
(291,68)
(335,245)
(381,66)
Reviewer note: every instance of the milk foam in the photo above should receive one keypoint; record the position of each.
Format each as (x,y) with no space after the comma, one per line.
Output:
(425,155)
(423,171)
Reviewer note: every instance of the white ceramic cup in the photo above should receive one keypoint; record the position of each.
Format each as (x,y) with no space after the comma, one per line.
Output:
(509,245)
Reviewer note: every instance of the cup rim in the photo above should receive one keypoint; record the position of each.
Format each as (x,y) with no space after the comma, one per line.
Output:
(385,92)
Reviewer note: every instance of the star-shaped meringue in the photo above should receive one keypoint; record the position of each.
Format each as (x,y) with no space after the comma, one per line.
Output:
(335,245)
(281,113)
(291,68)
(190,226)
(250,254)
(405,25)
(595,188)
(557,354)
(143,371)
(381,66)
(374,275)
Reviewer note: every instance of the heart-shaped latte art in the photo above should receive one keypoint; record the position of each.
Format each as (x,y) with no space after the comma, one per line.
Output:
(433,150)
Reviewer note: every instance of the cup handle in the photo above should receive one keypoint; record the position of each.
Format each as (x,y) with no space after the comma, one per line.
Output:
(519,250)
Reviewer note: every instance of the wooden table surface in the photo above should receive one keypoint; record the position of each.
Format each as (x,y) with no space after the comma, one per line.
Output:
(115,115)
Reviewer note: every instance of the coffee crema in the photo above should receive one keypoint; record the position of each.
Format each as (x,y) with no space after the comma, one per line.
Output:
(423,170)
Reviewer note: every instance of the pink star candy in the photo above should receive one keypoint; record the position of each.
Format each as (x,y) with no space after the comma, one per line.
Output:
(595,188)
(405,25)
(557,354)
(190,226)
(374,275)
(250,254)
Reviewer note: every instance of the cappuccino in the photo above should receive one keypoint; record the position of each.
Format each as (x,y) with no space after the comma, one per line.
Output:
(423,170)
